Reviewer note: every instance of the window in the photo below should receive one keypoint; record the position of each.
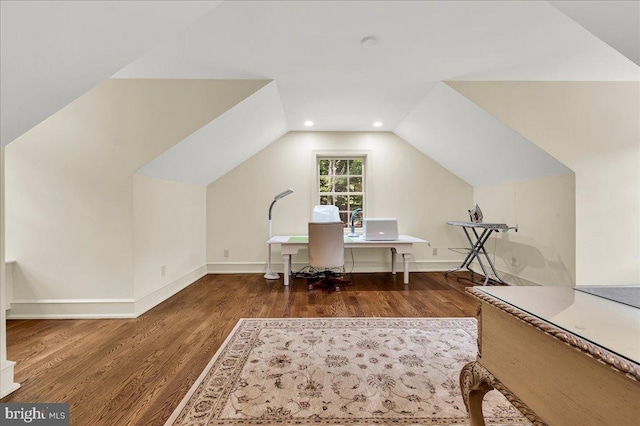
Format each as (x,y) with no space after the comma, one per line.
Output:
(341,183)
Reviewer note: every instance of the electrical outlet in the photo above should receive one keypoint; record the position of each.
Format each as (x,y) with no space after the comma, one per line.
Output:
(434,251)
(226,252)
(163,271)
(514,262)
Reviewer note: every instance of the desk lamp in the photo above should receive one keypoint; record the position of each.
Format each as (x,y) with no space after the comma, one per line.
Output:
(353,225)
(270,275)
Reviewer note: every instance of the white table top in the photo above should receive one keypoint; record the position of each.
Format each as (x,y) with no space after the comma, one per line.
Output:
(610,325)
(402,239)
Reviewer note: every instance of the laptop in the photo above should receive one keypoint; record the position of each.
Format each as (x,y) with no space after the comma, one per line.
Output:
(380,229)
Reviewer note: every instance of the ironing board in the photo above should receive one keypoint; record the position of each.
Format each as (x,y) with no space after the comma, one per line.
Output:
(477,246)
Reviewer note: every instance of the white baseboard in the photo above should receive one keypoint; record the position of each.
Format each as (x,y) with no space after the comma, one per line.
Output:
(242,267)
(433,265)
(154,298)
(359,266)
(507,277)
(7,385)
(132,308)
(71,309)
(100,308)
(516,281)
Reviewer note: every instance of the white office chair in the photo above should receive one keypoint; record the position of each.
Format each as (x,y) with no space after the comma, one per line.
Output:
(326,252)
(325,213)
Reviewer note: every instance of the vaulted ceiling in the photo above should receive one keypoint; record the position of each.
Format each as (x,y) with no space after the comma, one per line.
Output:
(312,53)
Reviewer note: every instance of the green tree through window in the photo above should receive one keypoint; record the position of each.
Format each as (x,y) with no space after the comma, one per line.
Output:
(341,183)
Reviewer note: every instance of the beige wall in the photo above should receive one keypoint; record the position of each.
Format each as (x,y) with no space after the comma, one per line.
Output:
(70,187)
(169,229)
(543,249)
(401,183)
(593,128)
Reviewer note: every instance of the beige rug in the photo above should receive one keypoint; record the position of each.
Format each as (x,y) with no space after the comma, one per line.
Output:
(340,371)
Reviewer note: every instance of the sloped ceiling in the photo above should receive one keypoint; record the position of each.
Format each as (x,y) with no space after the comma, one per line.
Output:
(617,23)
(313,53)
(218,147)
(51,52)
(471,143)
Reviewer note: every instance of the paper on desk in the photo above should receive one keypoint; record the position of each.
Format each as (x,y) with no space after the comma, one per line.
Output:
(305,239)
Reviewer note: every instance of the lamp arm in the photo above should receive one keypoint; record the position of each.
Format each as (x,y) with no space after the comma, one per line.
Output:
(353,217)
(271,207)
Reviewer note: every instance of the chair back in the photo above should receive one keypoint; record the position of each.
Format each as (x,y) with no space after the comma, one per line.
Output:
(325,213)
(326,245)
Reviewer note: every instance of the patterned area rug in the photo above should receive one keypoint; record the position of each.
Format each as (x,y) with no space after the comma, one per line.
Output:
(340,371)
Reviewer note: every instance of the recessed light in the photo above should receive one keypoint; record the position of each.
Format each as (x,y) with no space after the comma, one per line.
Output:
(368,41)
(377,124)
(308,123)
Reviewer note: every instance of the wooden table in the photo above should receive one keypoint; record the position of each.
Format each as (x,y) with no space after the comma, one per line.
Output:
(290,245)
(561,356)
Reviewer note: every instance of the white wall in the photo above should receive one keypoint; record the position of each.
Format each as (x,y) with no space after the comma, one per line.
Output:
(169,230)
(402,183)
(543,250)
(593,128)
(7,385)
(70,189)
(3,295)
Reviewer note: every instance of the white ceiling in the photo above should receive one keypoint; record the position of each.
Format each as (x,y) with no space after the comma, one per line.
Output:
(617,23)
(312,52)
(51,52)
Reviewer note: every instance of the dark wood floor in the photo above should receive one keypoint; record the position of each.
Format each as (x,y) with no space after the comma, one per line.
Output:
(136,371)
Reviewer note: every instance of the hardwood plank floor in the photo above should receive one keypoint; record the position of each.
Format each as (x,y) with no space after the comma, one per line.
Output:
(136,371)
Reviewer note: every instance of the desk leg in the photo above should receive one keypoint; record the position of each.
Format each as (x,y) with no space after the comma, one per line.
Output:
(287,268)
(393,261)
(406,257)
(475,382)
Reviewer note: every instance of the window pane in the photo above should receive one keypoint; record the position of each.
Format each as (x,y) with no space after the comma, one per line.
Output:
(340,184)
(355,202)
(326,200)
(325,184)
(324,167)
(342,176)
(355,167)
(341,202)
(341,167)
(355,184)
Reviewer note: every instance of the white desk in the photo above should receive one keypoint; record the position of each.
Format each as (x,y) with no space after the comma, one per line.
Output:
(290,245)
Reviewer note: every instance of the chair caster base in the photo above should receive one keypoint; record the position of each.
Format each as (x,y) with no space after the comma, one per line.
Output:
(330,284)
